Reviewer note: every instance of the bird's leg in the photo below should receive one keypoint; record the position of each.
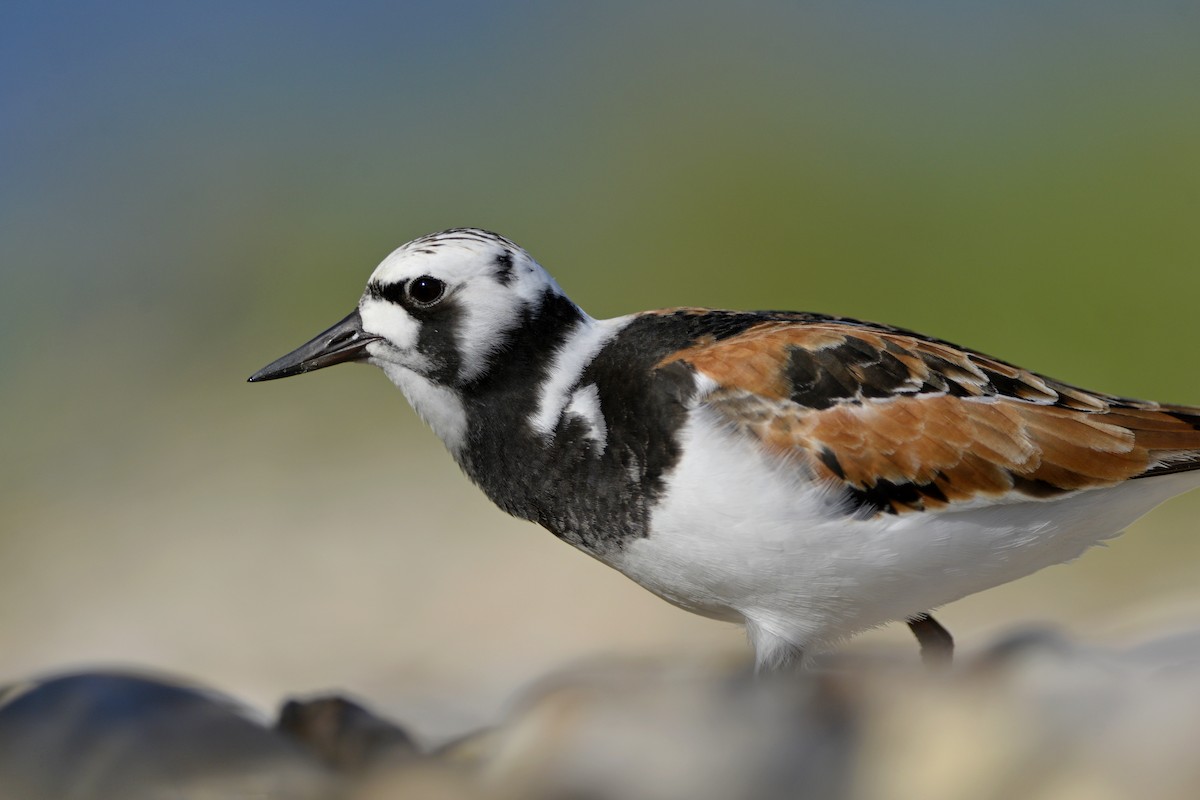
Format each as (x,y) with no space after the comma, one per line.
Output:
(937,645)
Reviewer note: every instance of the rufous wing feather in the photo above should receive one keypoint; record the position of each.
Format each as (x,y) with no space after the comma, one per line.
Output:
(908,423)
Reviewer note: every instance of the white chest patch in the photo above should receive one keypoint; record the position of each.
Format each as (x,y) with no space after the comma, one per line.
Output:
(729,525)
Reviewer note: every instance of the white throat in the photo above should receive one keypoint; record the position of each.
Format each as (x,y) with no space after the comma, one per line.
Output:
(438,407)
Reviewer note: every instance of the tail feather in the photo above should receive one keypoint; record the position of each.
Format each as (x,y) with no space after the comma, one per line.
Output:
(1171,434)
(1172,463)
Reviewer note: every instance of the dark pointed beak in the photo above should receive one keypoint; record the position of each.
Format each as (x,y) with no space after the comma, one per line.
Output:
(345,341)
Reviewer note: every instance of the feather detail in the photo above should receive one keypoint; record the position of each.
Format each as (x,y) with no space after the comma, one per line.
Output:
(908,423)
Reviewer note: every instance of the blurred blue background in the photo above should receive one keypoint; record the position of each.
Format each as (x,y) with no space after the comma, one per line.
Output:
(189,190)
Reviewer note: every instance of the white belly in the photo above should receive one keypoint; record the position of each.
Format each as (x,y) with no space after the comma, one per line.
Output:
(742,535)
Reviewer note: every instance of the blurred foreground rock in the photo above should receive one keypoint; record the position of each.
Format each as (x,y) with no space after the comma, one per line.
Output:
(1033,717)
(343,735)
(127,737)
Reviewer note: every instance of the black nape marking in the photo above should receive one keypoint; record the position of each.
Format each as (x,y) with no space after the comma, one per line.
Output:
(524,353)
(504,267)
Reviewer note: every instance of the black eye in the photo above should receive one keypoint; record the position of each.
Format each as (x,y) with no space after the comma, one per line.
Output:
(425,291)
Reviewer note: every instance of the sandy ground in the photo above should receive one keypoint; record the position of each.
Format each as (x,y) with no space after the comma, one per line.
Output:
(295,548)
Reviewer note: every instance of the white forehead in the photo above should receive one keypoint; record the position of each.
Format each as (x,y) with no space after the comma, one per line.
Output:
(457,256)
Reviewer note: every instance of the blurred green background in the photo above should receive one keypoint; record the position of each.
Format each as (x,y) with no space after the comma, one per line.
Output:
(189,190)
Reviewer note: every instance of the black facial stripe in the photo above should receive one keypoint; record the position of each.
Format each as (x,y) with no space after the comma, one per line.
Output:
(389,292)
(437,340)
(397,294)
(437,337)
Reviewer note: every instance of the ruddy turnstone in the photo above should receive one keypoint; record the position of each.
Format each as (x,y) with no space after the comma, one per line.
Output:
(809,476)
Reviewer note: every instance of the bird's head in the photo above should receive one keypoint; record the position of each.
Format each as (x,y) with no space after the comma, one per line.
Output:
(441,307)
(438,314)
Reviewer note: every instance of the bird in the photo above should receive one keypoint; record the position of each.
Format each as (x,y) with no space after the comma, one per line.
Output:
(808,476)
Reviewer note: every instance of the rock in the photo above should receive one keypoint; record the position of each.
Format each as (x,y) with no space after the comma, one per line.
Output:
(343,735)
(1035,716)
(113,736)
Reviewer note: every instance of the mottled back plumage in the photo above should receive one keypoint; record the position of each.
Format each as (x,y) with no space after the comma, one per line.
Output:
(910,423)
